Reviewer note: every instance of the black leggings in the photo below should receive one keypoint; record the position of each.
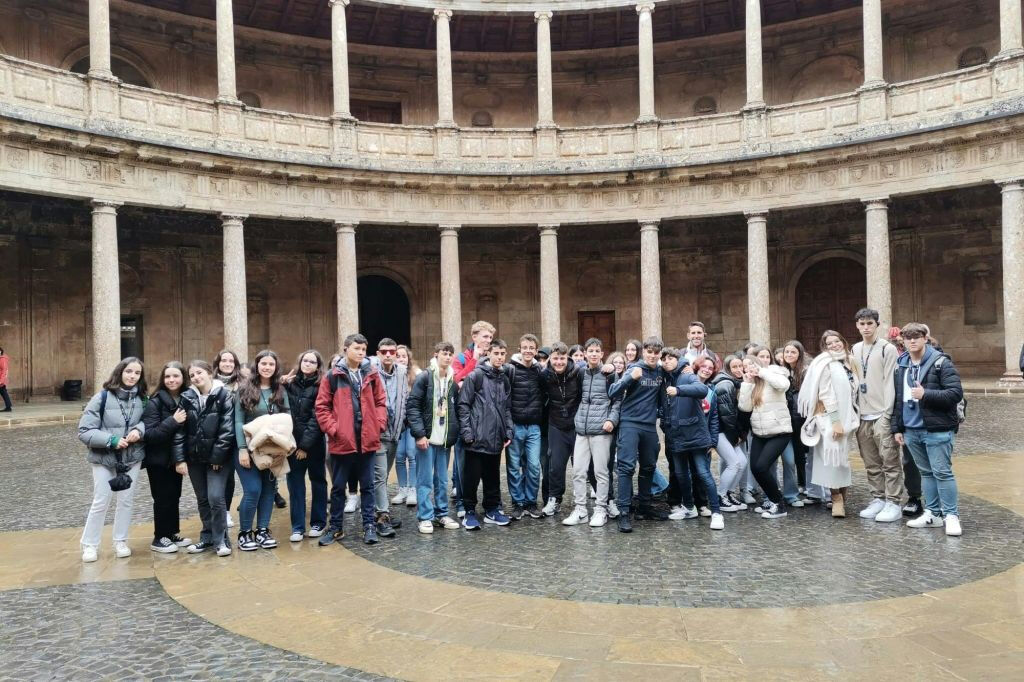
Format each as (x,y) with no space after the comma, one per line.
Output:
(763,454)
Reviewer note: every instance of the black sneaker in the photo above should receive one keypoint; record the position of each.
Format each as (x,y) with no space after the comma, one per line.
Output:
(164,546)
(330,536)
(279,501)
(517,512)
(180,541)
(913,507)
(651,514)
(370,534)
(533,511)
(199,547)
(264,539)
(624,525)
(396,522)
(247,541)
(385,528)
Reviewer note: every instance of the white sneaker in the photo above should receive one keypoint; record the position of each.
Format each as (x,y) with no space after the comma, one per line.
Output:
(122,550)
(599,518)
(871,511)
(89,555)
(351,502)
(613,510)
(426,527)
(796,503)
(551,508)
(410,497)
(677,508)
(748,497)
(223,550)
(295,537)
(890,512)
(400,497)
(230,521)
(579,515)
(461,513)
(926,520)
(449,523)
(684,513)
(705,511)
(953,526)
(717,522)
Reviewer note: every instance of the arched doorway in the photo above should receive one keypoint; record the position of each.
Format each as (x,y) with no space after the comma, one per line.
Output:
(828,295)
(383,311)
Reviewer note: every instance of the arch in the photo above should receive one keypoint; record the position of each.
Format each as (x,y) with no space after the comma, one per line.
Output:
(126,65)
(972,56)
(832,75)
(250,99)
(825,291)
(385,309)
(705,106)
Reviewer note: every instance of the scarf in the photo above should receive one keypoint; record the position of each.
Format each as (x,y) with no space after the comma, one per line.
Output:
(835,451)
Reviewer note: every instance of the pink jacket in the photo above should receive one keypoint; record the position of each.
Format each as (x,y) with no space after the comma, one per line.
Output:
(3,370)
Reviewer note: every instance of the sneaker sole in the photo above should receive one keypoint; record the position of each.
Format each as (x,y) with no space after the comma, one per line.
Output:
(496,523)
(471,528)
(165,550)
(223,553)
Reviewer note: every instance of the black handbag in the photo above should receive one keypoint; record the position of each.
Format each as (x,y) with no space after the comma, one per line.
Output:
(121,479)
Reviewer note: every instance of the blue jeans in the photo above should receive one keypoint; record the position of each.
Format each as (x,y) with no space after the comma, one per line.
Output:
(681,469)
(790,481)
(658,482)
(635,446)
(522,464)
(257,496)
(457,466)
(432,477)
(405,455)
(933,455)
(315,466)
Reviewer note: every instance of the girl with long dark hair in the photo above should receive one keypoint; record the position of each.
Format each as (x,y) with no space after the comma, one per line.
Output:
(227,370)
(311,449)
(164,418)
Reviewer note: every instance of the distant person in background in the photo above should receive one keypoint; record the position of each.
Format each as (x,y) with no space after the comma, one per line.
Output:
(7,397)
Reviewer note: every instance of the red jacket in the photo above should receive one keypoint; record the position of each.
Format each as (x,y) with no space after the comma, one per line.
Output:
(463,363)
(3,370)
(335,415)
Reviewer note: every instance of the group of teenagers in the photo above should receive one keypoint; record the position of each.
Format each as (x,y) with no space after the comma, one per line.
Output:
(547,408)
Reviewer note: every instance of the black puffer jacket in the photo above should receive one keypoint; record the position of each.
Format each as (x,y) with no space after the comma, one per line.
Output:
(485,420)
(726,391)
(302,392)
(164,437)
(563,392)
(527,396)
(210,430)
(419,407)
(942,393)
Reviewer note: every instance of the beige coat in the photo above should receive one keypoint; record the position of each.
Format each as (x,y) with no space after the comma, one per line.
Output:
(270,442)
(771,417)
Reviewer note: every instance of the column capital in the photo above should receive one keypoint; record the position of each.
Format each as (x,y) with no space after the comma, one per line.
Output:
(755,215)
(642,7)
(875,202)
(343,226)
(442,12)
(544,15)
(648,225)
(233,217)
(1011,184)
(333,3)
(449,230)
(105,206)
(548,228)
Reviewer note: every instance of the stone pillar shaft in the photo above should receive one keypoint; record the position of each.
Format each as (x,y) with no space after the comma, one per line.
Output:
(755,71)
(226,87)
(650,279)
(339,59)
(236,313)
(646,67)
(1010,42)
(347,281)
(759,320)
(445,105)
(99,40)
(1013,277)
(873,44)
(879,275)
(106,292)
(451,286)
(550,302)
(545,108)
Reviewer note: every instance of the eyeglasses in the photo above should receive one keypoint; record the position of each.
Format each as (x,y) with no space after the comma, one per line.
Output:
(388,351)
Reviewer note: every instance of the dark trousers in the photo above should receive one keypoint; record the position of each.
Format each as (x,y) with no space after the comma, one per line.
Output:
(6,396)
(165,485)
(481,466)
(343,468)
(560,443)
(209,486)
(545,477)
(911,475)
(763,454)
(693,474)
(799,453)
(298,469)
(636,446)
(229,488)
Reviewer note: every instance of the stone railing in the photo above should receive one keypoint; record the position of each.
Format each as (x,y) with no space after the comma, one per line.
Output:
(44,95)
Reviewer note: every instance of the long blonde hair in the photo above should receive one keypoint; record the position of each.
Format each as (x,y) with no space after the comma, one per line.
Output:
(757,397)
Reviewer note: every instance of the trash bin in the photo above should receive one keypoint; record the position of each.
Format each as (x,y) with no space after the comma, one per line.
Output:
(72,390)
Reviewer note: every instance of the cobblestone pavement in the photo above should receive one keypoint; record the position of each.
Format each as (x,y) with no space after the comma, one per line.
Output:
(132,630)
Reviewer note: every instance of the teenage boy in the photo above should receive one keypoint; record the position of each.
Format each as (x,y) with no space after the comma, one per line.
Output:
(640,390)
(696,346)
(925,419)
(351,408)
(396,388)
(431,414)
(485,423)
(481,334)
(522,458)
(595,422)
(875,367)
(561,383)
(673,366)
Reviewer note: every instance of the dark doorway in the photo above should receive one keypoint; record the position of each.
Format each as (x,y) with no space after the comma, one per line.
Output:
(376,111)
(598,324)
(131,337)
(828,295)
(383,311)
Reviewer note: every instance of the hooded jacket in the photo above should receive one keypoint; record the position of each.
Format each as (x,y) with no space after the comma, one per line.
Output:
(419,408)
(595,406)
(642,399)
(771,417)
(942,392)
(727,388)
(396,408)
(336,415)
(485,420)
(684,422)
(563,394)
(527,405)
(122,414)
(165,438)
(464,363)
(302,391)
(209,427)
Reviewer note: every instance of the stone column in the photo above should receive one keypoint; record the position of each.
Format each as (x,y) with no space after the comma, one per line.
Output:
(106,292)
(1010,43)
(445,107)
(545,108)
(236,312)
(873,46)
(1013,277)
(451,286)
(646,48)
(759,321)
(550,302)
(99,45)
(755,72)
(879,275)
(347,281)
(650,279)
(339,59)
(226,88)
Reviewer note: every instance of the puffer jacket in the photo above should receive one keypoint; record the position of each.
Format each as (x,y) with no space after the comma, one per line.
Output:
(595,406)
(209,430)
(683,420)
(336,414)
(165,438)
(771,417)
(942,393)
(100,437)
(419,408)
(302,391)
(726,389)
(485,420)
(563,394)
(527,397)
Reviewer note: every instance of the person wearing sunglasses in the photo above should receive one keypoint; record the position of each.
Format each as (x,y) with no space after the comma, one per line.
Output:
(925,419)
(396,387)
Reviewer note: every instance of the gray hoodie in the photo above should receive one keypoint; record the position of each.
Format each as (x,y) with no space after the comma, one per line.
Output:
(122,414)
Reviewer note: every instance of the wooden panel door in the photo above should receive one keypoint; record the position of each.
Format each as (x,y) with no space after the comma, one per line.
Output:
(598,324)
(828,295)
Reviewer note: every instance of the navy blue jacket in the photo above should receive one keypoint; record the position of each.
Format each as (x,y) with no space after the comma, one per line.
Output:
(684,422)
(942,392)
(642,399)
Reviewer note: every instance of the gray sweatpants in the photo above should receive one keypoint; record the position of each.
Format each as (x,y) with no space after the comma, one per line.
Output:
(383,460)
(586,448)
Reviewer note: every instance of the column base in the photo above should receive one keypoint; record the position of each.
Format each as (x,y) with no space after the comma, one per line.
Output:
(230,101)
(873,85)
(754,106)
(641,120)
(1011,380)
(343,117)
(1007,55)
(448,125)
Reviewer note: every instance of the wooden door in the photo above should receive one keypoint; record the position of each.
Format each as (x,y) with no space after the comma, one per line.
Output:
(828,295)
(598,324)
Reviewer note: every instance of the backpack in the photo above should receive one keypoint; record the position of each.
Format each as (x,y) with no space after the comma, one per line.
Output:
(961,407)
